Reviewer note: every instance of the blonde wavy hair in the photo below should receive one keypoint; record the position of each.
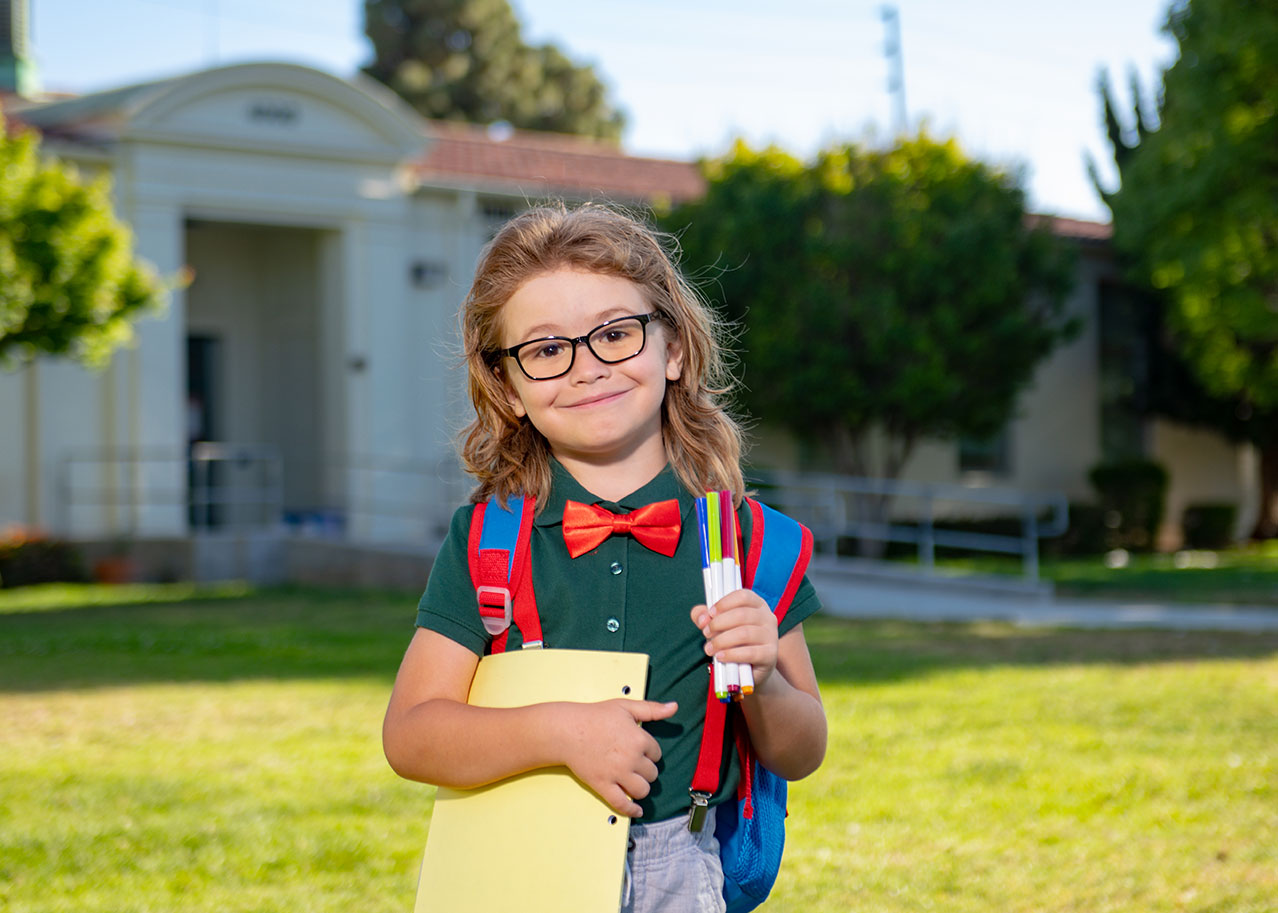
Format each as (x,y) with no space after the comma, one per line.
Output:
(503,451)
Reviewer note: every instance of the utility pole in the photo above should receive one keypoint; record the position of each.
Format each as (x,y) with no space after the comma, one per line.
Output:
(896,68)
(17,68)
(211,48)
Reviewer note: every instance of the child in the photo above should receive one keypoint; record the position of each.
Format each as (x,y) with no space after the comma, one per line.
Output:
(596,376)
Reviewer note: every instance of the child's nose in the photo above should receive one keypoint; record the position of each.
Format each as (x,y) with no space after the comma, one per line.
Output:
(585,364)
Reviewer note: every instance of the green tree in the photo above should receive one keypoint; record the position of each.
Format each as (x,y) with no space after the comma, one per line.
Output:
(69,284)
(884,296)
(1194,215)
(467,60)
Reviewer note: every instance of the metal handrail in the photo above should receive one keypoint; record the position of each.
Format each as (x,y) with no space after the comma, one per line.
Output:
(826,503)
(408,491)
(130,491)
(128,481)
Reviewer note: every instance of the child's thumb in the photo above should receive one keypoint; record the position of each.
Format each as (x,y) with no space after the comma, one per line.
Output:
(646,711)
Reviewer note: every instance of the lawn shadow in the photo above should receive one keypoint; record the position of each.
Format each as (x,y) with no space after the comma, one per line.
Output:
(279,633)
(308,633)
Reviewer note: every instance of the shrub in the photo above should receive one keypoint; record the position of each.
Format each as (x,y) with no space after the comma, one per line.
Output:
(1132,494)
(1086,535)
(1209,525)
(28,557)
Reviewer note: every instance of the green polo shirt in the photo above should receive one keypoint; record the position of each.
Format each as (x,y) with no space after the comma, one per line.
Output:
(620,596)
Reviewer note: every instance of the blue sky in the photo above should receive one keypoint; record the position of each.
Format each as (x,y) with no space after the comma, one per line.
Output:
(1013,80)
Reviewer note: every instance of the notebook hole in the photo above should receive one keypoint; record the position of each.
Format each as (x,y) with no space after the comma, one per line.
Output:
(625,689)
(612,819)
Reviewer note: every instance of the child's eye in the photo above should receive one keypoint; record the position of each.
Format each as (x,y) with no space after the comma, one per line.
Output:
(614,335)
(552,348)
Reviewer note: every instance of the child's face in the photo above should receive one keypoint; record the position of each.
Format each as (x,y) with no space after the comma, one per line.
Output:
(597,412)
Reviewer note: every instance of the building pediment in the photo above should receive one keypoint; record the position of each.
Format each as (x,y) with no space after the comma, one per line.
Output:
(259,107)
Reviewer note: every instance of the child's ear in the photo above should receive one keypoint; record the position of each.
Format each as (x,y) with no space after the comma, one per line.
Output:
(674,358)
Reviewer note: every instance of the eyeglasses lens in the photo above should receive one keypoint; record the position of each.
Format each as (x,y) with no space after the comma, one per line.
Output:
(611,343)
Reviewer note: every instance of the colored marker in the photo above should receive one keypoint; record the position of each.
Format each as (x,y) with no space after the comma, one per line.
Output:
(708,578)
(745,671)
(727,571)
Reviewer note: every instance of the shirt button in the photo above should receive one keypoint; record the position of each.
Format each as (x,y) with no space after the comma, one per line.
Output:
(616,568)
(613,625)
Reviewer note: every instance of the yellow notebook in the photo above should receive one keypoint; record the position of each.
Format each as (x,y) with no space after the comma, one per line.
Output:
(540,842)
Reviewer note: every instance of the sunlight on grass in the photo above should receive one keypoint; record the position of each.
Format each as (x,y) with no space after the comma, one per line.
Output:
(225,755)
(56,596)
(243,796)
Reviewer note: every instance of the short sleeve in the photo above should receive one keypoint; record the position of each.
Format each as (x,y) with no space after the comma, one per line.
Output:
(449,606)
(805,604)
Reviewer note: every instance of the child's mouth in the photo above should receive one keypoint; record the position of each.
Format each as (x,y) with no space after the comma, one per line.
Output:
(602,399)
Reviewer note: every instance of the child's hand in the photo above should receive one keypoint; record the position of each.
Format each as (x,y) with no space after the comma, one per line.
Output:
(740,628)
(611,752)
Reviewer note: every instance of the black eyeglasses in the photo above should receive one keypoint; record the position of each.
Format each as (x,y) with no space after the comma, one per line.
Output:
(611,342)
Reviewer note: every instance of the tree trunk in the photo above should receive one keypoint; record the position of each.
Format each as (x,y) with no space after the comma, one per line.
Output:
(1267,519)
(852,452)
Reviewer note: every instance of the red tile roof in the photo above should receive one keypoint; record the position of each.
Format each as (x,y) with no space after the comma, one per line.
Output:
(1077,229)
(538,164)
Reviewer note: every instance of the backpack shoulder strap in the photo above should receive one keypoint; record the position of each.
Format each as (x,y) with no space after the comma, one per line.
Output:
(780,549)
(500,563)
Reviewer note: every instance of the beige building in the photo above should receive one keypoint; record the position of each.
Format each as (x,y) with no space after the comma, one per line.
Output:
(306,385)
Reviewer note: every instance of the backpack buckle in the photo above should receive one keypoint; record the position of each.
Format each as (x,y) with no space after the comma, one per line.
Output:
(697,811)
(495,611)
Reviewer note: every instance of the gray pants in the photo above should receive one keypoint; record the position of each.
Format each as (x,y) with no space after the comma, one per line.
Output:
(672,870)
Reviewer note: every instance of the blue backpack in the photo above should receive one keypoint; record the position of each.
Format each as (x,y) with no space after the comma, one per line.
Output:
(751,830)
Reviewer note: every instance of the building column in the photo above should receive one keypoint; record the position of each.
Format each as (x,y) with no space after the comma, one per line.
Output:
(154,432)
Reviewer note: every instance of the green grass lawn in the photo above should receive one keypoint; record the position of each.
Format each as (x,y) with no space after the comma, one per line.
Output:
(1246,574)
(181,749)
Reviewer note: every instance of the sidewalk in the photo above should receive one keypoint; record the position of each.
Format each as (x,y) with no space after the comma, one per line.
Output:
(848,596)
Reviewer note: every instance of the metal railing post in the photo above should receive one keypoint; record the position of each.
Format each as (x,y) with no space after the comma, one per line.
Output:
(927,534)
(1029,529)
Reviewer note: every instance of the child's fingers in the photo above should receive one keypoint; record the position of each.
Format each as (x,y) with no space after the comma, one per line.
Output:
(703,616)
(637,785)
(755,654)
(758,619)
(647,711)
(739,599)
(620,802)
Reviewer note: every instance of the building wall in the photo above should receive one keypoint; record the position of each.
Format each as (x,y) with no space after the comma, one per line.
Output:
(1203,467)
(1056,436)
(256,145)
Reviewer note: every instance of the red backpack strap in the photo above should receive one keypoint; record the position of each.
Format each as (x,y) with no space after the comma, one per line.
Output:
(705,779)
(780,549)
(500,560)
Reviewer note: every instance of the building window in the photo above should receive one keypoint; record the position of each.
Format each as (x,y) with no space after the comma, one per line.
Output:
(991,455)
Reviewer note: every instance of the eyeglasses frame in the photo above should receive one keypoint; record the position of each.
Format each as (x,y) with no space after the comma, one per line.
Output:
(644,320)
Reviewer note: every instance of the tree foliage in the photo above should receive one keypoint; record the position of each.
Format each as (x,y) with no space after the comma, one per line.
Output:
(1195,210)
(883,294)
(467,60)
(1195,218)
(69,283)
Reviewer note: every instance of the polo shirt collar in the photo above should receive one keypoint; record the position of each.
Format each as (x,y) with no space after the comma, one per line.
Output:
(564,488)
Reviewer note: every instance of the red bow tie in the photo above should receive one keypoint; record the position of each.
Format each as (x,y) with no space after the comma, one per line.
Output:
(656,526)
